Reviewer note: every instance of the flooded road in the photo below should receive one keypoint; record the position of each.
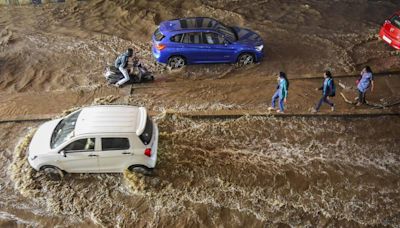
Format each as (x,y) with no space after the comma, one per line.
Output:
(250,171)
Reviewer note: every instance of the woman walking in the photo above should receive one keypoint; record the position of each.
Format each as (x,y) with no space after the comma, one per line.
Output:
(328,90)
(281,92)
(366,80)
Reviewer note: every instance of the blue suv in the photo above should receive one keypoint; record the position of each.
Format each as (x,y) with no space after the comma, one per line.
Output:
(204,40)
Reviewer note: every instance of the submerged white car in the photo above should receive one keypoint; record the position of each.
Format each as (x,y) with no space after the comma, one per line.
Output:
(96,139)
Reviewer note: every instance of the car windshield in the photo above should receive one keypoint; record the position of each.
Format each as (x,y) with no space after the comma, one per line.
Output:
(228,32)
(64,130)
(145,137)
(395,20)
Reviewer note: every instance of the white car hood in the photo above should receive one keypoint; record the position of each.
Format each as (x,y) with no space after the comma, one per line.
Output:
(40,143)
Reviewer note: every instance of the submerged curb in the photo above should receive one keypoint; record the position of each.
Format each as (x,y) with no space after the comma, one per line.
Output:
(226,114)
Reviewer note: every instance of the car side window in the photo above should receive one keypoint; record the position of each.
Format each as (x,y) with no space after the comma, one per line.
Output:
(177,38)
(212,38)
(81,145)
(114,144)
(192,38)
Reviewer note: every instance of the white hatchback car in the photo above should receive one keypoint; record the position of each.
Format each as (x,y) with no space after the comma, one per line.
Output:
(96,139)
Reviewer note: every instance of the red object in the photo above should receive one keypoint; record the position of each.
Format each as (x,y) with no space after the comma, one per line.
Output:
(147,152)
(160,46)
(390,31)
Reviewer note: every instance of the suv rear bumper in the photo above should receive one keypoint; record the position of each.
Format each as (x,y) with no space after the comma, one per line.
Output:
(160,56)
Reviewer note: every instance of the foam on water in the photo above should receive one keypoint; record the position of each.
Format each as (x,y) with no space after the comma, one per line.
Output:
(294,171)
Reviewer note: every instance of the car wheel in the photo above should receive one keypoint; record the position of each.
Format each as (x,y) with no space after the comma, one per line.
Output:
(176,62)
(245,59)
(140,169)
(53,173)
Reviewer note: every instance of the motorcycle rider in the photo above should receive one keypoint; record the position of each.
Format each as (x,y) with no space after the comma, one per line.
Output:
(135,69)
(121,63)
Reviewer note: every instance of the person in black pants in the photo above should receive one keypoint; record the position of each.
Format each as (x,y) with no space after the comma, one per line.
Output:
(328,89)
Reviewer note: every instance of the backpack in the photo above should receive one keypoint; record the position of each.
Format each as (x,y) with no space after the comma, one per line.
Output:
(332,91)
(118,62)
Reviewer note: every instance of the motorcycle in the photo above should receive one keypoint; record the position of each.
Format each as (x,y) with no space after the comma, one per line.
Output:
(113,75)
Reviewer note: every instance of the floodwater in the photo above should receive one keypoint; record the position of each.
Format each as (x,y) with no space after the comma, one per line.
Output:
(250,171)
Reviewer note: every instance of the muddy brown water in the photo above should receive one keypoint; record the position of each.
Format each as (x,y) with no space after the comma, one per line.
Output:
(249,171)
(243,172)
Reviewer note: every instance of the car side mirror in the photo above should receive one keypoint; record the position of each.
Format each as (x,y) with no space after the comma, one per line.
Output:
(63,153)
(226,43)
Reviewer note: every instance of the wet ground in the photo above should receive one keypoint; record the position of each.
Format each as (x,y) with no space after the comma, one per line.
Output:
(260,171)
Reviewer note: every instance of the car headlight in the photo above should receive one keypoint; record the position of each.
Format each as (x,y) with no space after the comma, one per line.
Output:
(259,47)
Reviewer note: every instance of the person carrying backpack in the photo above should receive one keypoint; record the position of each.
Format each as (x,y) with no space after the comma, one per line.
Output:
(328,90)
(121,63)
(281,92)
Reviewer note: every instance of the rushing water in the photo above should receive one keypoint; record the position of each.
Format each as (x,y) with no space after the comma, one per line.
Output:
(246,172)
(256,171)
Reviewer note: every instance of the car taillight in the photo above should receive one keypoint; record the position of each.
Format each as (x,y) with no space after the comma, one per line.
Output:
(147,152)
(160,46)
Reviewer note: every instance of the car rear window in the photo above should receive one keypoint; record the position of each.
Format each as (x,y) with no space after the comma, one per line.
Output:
(395,20)
(114,143)
(158,35)
(147,134)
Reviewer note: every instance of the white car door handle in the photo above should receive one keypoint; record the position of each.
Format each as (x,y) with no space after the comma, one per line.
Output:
(93,155)
(126,153)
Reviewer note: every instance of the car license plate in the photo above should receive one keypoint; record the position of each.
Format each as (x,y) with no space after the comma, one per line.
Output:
(387,39)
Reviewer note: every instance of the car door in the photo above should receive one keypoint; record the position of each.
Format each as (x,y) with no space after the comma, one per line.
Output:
(219,50)
(194,49)
(176,44)
(115,153)
(80,156)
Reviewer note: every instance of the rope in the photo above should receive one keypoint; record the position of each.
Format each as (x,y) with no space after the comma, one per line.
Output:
(380,106)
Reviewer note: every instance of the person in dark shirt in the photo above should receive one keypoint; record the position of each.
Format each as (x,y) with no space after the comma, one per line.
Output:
(328,89)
